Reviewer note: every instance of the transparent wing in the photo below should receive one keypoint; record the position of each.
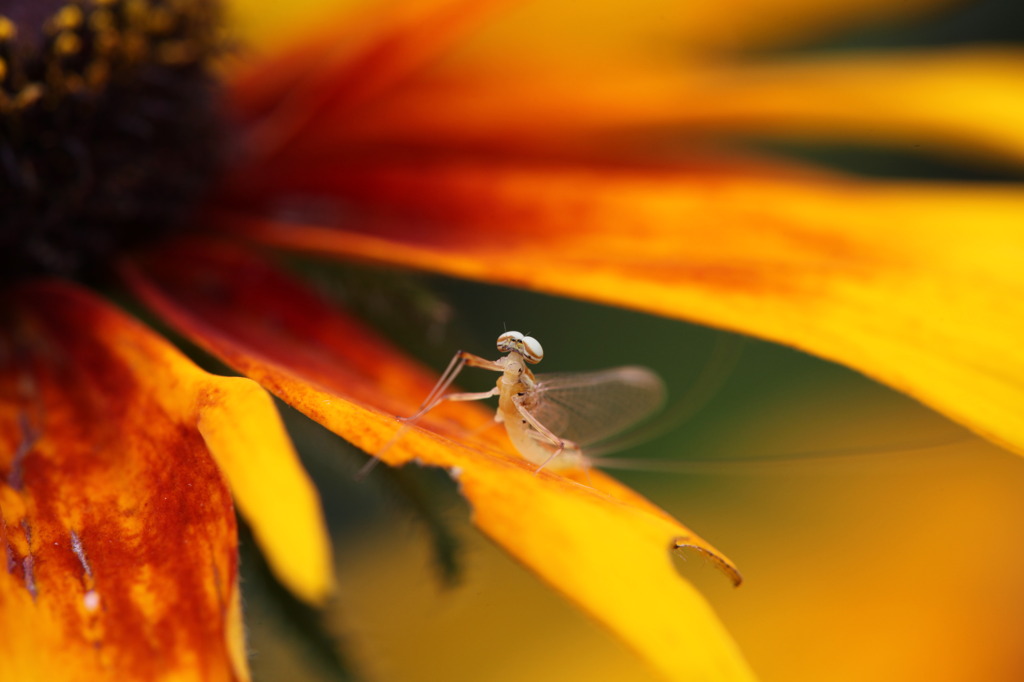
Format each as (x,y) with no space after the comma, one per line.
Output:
(588,407)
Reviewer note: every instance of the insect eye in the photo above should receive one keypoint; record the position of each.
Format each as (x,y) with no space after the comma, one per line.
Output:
(532,350)
(509,341)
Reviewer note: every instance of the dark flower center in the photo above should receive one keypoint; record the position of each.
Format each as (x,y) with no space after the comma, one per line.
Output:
(109,127)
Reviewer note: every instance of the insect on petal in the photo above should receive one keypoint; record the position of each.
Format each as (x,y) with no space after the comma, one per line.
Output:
(601,546)
(933,308)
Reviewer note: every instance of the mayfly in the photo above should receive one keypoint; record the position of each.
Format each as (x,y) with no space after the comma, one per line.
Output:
(553,418)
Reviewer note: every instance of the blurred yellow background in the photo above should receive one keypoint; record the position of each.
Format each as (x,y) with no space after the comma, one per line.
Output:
(901,560)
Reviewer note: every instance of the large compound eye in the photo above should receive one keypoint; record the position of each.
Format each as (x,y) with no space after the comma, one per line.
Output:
(532,350)
(509,341)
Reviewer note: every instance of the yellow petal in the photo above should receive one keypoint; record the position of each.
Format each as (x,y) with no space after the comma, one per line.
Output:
(117,527)
(560,33)
(559,30)
(266,28)
(240,425)
(917,285)
(965,100)
(602,546)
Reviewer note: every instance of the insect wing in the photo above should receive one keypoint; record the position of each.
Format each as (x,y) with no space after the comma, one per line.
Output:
(588,407)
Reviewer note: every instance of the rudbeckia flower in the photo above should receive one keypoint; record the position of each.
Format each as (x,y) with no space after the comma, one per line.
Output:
(148,158)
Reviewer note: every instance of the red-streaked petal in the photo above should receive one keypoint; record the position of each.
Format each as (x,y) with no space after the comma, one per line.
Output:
(918,285)
(316,83)
(600,544)
(118,532)
(540,34)
(382,46)
(962,100)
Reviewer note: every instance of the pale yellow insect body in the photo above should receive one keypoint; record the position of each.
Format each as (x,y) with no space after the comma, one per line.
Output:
(518,398)
(547,418)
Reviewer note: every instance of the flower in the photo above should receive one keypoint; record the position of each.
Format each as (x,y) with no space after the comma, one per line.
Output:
(117,528)
(419,136)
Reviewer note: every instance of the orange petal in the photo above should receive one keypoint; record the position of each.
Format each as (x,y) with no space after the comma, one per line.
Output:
(382,46)
(559,31)
(599,544)
(117,526)
(917,285)
(963,100)
(300,80)
(529,73)
(511,109)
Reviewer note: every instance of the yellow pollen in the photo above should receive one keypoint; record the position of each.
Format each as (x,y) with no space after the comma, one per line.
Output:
(101,20)
(28,95)
(135,11)
(134,46)
(106,43)
(89,42)
(67,18)
(7,29)
(66,44)
(160,20)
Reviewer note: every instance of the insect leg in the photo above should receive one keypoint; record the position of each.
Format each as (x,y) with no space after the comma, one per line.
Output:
(458,362)
(447,377)
(482,395)
(436,397)
(560,443)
